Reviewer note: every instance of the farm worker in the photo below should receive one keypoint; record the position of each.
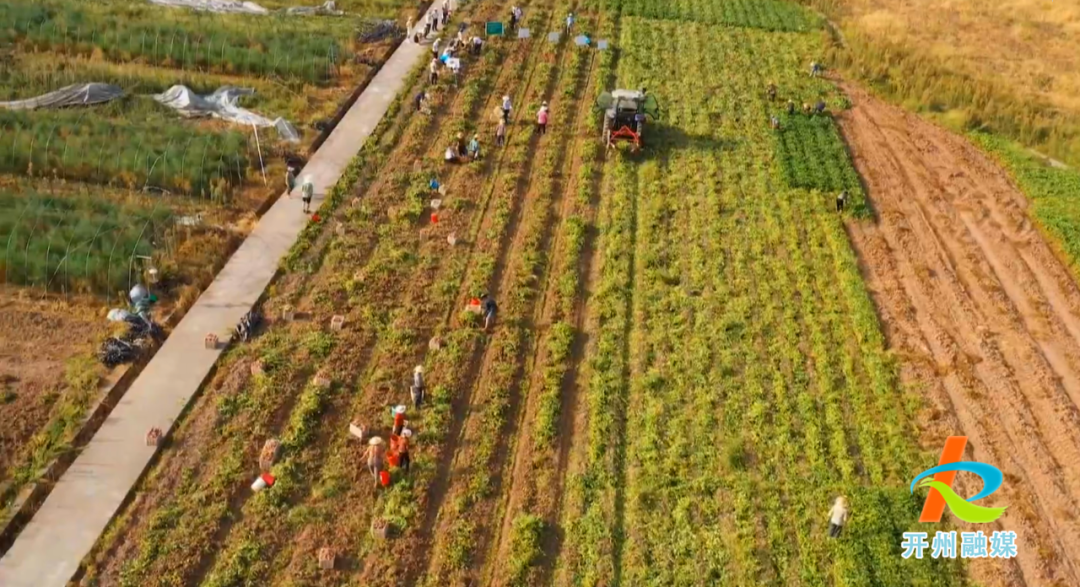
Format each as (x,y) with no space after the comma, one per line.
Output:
(771,91)
(569,22)
(434,20)
(445,17)
(449,156)
(506,107)
(400,445)
(477,44)
(815,69)
(419,100)
(399,419)
(461,149)
(446,4)
(489,307)
(461,37)
(308,192)
(417,389)
(375,456)
(433,71)
(841,199)
(435,46)
(290,179)
(434,184)
(542,119)
(513,17)
(806,108)
(455,67)
(790,107)
(427,24)
(474,147)
(408,26)
(838,516)
(819,108)
(500,132)
(774,122)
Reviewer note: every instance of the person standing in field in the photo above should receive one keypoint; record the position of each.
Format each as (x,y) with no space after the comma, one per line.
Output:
(399,419)
(375,457)
(408,27)
(542,119)
(815,69)
(474,148)
(417,389)
(790,107)
(433,71)
(427,25)
(771,91)
(774,122)
(841,200)
(489,308)
(513,17)
(400,446)
(838,516)
(569,23)
(500,132)
(506,108)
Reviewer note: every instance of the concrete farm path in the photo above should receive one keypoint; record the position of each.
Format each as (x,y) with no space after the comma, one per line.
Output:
(49,550)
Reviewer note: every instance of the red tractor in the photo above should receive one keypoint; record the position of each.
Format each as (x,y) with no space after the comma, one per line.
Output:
(625,114)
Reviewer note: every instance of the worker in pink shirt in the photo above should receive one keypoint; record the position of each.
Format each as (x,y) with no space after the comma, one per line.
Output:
(542,119)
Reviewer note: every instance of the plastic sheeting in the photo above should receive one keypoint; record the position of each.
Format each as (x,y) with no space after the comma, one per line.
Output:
(222,6)
(328,8)
(223,104)
(73,95)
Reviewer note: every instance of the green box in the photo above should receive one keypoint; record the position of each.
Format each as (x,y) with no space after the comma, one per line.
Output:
(494,28)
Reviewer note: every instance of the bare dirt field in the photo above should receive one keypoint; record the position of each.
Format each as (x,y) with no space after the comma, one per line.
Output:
(984,318)
(37,338)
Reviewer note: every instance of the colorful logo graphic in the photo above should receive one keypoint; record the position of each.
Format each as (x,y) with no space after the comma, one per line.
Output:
(942,494)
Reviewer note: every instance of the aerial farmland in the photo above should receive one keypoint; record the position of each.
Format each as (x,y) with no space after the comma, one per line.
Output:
(755,263)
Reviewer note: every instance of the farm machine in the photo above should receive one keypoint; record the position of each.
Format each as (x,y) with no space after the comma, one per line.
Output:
(625,114)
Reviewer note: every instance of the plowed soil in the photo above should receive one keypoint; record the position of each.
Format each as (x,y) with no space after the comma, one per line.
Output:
(37,337)
(984,317)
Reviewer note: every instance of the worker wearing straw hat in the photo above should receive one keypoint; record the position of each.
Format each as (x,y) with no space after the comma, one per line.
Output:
(376,456)
(417,390)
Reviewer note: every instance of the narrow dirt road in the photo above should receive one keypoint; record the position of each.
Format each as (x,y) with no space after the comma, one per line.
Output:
(985,319)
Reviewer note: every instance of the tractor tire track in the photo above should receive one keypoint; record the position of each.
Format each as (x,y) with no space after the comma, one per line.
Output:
(984,314)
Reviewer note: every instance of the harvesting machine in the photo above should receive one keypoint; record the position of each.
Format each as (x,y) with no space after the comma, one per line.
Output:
(625,114)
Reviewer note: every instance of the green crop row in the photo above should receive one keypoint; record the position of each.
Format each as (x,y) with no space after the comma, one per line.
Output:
(160,153)
(740,381)
(83,244)
(814,157)
(291,48)
(772,15)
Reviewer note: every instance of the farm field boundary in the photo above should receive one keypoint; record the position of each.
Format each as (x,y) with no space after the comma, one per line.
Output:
(983,315)
(66,523)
